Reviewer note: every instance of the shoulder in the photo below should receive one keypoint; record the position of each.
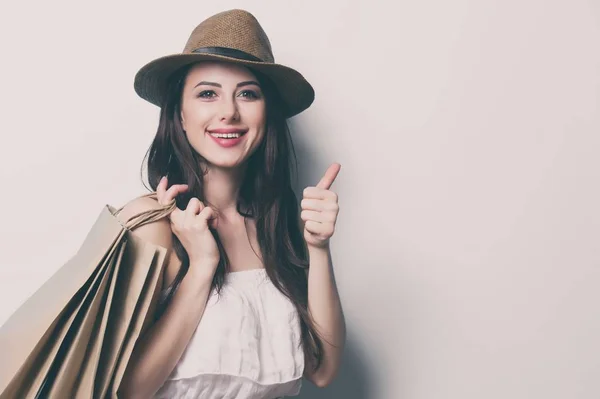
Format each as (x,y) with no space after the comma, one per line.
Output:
(158,232)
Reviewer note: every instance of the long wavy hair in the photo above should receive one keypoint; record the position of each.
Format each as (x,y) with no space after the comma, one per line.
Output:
(266,195)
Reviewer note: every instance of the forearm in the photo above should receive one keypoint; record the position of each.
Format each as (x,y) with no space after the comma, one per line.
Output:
(159,350)
(325,308)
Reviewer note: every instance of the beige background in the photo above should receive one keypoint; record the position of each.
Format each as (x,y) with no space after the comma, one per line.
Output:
(467,249)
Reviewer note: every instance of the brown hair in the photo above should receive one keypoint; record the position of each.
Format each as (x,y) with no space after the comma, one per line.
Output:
(266,193)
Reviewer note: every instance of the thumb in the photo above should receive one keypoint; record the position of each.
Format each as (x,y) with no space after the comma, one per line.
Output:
(329,177)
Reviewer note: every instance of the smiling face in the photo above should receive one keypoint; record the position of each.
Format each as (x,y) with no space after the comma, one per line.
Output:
(223,99)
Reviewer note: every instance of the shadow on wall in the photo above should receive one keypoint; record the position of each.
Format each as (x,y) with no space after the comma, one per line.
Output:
(352,381)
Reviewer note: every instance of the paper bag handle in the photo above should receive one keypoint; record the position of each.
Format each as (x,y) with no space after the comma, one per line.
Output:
(150,215)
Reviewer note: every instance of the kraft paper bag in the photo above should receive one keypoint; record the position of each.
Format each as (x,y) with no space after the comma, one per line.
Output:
(74,336)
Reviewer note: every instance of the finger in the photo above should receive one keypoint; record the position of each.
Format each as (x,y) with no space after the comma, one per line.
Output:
(176,217)
(161,188)
(319,194)
(318,205)
(193,208)
(315,216)
(165,196)
(209,217)
(311,204)
(330,175)
(324,229)
(173,192)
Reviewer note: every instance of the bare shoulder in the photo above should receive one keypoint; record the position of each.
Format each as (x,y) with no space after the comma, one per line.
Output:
(158,232)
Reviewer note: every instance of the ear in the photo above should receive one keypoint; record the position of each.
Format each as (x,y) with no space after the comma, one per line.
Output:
(182,119)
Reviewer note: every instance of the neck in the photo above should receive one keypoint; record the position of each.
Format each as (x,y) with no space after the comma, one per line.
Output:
(221,189)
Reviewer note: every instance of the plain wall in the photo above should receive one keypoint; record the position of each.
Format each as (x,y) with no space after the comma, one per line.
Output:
(467,244)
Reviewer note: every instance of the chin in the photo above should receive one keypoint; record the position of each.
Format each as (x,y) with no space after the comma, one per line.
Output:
(225,164)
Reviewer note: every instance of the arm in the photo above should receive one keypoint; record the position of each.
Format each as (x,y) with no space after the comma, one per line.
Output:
(326,310)
(157,352)
(318,218)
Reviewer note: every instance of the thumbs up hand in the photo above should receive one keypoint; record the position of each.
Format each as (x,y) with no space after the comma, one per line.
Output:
(320,209)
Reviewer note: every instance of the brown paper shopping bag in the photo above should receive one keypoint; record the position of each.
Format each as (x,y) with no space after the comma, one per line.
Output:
(74,336)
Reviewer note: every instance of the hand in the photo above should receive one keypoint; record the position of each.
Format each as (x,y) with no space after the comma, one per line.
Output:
(320,209)
(191,226)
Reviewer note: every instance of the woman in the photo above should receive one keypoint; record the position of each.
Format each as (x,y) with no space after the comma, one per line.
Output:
(242,316)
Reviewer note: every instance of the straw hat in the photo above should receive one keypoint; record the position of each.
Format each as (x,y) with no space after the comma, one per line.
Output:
(234,36)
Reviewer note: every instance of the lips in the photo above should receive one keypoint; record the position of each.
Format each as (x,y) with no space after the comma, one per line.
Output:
(227,142)
(228,130)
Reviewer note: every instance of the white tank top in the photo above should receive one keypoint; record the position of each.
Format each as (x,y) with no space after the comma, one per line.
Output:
(247,345)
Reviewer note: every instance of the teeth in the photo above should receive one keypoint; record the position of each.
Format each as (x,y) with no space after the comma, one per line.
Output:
(226,135)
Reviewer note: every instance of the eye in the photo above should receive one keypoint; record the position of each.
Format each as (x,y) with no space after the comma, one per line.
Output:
(207,94)
(250,94)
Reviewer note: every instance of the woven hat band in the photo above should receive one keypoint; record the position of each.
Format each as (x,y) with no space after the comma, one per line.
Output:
(227,52)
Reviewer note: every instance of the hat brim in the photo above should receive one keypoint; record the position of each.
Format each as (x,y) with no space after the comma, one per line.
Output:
(150,82)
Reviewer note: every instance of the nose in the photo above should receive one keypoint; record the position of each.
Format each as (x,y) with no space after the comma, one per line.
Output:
(228,111)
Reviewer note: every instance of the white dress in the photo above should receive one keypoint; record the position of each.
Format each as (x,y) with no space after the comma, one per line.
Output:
(247,345)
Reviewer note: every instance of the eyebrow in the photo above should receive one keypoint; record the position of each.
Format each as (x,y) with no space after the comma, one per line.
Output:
(245,83)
